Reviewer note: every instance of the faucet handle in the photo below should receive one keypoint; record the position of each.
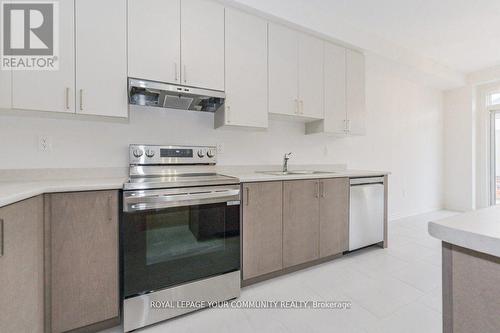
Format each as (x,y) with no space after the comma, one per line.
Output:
(287,155)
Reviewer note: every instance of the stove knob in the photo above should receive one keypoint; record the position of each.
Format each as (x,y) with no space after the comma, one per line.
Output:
(201,153)
(210,153)
(150,153)
(137,153)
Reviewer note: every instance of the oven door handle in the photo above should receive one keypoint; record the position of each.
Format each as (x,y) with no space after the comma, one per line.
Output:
(180,200)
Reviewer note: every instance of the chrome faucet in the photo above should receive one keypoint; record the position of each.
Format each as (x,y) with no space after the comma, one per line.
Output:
(285,161)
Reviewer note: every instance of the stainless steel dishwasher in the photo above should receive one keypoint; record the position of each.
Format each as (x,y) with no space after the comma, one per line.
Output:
(366,212)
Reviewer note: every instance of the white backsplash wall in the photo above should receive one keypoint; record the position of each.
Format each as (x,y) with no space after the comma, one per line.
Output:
(404,136)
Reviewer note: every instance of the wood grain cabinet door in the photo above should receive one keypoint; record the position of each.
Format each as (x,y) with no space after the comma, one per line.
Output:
(83,258)
(21,267)
(300,221)
(334,216)
(262,228)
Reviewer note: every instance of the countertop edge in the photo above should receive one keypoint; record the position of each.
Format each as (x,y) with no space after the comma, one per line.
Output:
(40,189)
(29,189)
(466,239)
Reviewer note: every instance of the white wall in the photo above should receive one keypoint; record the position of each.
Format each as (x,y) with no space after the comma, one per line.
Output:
(459,175)
(404,136)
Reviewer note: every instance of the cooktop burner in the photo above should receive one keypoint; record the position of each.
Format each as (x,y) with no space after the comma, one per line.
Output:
(153,167)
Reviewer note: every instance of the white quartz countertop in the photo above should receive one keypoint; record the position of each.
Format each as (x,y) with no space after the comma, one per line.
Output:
(477,230)
(246,176)
(11,192)
(17,185)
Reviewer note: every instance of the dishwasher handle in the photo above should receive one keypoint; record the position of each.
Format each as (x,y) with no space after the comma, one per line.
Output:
(366,181)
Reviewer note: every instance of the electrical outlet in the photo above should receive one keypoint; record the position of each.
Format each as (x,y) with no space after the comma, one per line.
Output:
(44,143)
(220,148)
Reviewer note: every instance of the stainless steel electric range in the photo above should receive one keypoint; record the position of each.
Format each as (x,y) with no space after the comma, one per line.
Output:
(180,234)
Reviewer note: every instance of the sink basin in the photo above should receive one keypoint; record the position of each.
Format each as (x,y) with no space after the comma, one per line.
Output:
(293,172)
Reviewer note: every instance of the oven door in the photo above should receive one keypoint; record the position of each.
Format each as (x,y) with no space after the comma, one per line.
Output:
(173,236)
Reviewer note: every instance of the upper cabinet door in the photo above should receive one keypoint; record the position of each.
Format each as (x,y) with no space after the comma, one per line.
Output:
(52,90)
(154,40)
(310,77)
(335,89)
(202,44)
(355,92)
(101,46)
(246,70)
(283,70)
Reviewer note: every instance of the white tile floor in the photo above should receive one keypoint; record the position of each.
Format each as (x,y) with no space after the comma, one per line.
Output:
(397,289)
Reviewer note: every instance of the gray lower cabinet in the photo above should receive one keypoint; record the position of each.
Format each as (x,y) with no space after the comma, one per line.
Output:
(262,228)
(21,267)
(300,221)
(82,259)
(334,216)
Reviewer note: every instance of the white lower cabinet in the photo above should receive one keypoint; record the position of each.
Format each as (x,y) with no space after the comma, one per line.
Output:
(101,68)
(51,90)
(246,72)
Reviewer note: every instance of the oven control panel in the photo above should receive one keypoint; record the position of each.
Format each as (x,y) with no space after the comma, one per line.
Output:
(164,155)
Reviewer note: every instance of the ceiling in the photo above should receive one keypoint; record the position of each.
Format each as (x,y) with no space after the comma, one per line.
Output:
(462,35)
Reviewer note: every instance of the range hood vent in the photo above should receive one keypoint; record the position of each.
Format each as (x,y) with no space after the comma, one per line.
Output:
(166,95)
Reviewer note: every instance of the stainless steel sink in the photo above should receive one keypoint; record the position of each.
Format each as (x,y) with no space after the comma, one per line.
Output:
(294,172)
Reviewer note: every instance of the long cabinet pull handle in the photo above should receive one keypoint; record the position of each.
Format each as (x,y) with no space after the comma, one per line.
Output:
(316,195)
(81,99)
(184,75)
(247,195)
(322,189)
(67,98)
(2,232)
(110,209)
(176,73)
(301,109)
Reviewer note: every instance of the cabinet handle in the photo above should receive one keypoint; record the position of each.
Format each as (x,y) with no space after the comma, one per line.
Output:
(176,72)
(247,195)
(67,98)
(322,189)
(316,195)
(1,237)
(184,75)
(301,109)
(81,99)
(110,209)
(228,111)
(348,125)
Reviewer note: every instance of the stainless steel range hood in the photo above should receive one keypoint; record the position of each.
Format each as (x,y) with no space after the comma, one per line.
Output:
(166,95)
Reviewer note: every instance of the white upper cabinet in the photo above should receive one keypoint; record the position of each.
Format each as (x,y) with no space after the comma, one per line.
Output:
(283,70)
(51,90)
(246,71)
(202,44)
(5,89)
(355,93)
(154,40)
(101,64)
(310,76)
(335,89)
(344,93)
(295,73)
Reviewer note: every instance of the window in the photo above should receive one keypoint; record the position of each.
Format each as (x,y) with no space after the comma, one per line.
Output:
(494,98)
